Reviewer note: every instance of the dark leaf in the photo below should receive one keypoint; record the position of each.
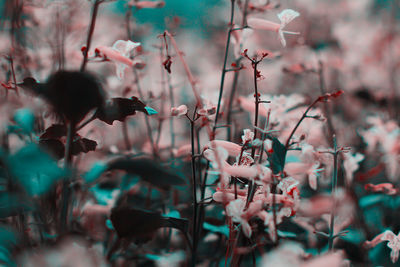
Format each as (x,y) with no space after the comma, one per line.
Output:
(119,108)
(131,222)
(277,159)
(54,147)
(83,145)
(55,131)
(148,170)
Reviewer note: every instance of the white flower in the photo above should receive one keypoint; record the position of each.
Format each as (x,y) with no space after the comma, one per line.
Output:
(286,16)
(351,164)
(247,136)
(235,209)
(120,54)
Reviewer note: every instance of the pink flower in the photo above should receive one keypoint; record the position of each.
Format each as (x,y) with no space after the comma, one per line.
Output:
(394,243)
(312,170)
(179,111)
(309,166)
(120,54)
(285,17)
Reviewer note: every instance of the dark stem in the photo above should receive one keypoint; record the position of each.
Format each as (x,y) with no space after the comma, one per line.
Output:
(230,102)
(333,194)
(221,87)
(194,190)
(126,135)
(95,9)
(299,122)
(148,127)
(68,163)
(13,75)
(257,103)
(327,111)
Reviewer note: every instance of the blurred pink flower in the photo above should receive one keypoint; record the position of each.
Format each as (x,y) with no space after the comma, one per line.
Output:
(386,188)
(120,54)
(351,164)
(146,4)
(312,170)
(286,16)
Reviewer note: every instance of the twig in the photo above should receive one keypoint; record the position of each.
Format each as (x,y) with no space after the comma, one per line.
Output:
(186,67)
(95,9)
(221,87)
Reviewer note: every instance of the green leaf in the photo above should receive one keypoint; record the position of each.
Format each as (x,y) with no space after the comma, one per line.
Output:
(286,234)
(221,229)
(8,239)
(34,169)
(25,119)
(12,205)
(150,111)
(95,172)
(370,200)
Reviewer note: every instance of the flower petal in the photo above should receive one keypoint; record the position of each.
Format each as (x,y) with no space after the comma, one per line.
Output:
(287,16)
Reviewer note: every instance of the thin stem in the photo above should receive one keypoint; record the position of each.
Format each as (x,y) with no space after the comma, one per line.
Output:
(256,103)
(331,130)
(92,118)
(235,78)
(66,190)
(95,9)
(299,122)
(221,87)
(13,75)
(230,102)
(263,137)
(194,193)
(334,187)
(148,127)
(186,67)
(126,136)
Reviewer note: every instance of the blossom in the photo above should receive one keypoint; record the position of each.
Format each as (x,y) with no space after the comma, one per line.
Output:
(179,111)
(120,54)
(386,188)
(394,243)
(286,16)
